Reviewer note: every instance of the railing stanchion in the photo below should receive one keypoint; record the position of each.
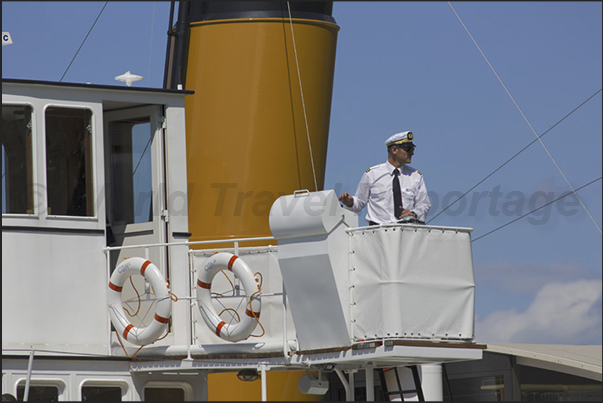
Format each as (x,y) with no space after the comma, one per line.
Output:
(285,343)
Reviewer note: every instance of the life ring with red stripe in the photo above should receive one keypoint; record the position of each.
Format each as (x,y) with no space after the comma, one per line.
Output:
(228,331)
(139,335)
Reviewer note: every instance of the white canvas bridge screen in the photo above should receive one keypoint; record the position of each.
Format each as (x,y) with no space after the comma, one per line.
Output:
(412,282)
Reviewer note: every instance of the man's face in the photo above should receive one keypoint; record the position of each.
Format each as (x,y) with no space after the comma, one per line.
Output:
(403,153)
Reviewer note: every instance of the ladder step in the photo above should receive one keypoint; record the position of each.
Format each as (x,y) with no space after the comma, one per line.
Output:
(417,380)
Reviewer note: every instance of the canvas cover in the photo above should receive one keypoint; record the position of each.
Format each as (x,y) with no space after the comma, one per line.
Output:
(412,282)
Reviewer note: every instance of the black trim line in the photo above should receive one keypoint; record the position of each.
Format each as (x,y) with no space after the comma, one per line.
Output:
(225,10)
(21,228)
(64,357)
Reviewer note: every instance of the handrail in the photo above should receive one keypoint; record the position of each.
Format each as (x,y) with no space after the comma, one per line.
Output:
(416,226)
(149,245)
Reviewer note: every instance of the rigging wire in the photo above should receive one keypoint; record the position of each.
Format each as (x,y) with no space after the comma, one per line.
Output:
(526,119)
(139,161)
(78,51)
(143,153)
(151,46)
(519,152)
(533,211)
(302,97)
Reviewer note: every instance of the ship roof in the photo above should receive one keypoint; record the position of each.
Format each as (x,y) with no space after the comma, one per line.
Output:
(96,86)
(582,360)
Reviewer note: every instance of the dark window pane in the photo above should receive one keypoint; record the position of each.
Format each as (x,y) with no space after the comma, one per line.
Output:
(483,389)
(69,162)
(17,167)
(539,385)
(39,393)
(164,395)
(101,394)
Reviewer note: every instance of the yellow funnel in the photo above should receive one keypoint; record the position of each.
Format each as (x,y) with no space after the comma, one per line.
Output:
(262,101)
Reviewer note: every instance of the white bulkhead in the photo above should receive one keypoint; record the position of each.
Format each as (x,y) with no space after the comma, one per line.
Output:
(78,201)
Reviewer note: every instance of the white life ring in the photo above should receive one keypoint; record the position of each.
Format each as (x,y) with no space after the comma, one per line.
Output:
(234,331)
(139,335)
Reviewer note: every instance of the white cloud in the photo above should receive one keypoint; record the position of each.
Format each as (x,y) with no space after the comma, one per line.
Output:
(561,313)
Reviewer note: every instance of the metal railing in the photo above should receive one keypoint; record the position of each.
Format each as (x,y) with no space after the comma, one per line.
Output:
(236,245)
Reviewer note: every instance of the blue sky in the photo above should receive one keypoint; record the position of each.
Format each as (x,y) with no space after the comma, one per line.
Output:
(412,66)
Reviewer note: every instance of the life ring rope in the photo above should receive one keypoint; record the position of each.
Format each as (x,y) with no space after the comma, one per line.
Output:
(204,285)
(231,285)
(249,311)
(137,296)
(173,296)
(241,330)
(164,297)
(257,317)
(234,312)
(140,348)
(124,349)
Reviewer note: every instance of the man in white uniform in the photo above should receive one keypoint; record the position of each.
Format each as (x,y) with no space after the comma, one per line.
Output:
(394,191)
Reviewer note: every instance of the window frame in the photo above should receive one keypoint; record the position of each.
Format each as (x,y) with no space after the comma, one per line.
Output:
(156,158)
(40,220)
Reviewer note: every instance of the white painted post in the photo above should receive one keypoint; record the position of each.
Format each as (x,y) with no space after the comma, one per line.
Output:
(431,381)
(263,372)
(370,384)
(352,387)
(147,285)
(349,394)
(189,299)
(285,342)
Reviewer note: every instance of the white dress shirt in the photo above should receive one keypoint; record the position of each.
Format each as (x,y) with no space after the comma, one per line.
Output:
(375,189)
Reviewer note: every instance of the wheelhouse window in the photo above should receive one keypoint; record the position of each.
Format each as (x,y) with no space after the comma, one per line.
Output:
(101,393)
(165,394)
(131,163)
(484,388)
(17,160)
(39,393)
(69,162)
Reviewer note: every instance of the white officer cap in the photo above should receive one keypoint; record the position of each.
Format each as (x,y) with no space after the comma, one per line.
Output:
(400,138)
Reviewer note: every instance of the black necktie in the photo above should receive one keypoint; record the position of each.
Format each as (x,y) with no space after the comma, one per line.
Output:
(397,194)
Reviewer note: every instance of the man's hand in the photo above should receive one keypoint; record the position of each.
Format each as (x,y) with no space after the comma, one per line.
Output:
(346,199)
(406,212)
